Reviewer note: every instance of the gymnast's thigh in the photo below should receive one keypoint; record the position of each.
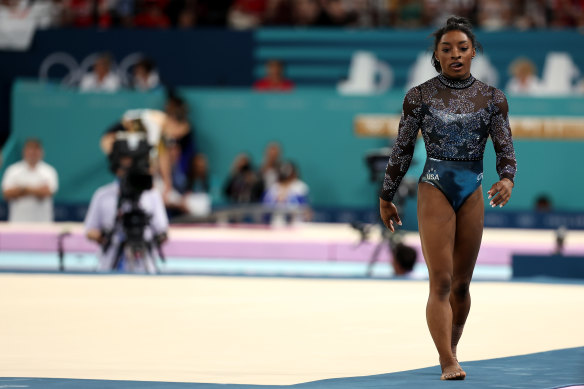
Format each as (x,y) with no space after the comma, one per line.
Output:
(469,231)
(437,226)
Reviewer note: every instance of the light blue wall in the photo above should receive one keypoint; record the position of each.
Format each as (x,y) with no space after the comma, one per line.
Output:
(315,127)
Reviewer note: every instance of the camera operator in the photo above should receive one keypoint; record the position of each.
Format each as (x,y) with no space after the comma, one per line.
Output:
(127,217)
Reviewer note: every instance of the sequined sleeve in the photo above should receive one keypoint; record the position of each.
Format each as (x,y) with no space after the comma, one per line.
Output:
(500,132)
(403,148)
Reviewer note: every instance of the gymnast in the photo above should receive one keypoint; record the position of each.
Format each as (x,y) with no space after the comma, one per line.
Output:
(456,113)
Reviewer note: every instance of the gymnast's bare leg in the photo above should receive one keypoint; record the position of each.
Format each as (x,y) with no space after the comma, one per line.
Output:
(442,233)
(469,233)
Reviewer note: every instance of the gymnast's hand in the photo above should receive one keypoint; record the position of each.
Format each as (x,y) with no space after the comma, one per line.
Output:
(388,213)
(500,192)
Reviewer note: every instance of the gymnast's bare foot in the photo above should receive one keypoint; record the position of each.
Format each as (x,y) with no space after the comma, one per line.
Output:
(451,370)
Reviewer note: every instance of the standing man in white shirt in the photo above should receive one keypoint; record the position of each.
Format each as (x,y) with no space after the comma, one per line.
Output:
(29,185)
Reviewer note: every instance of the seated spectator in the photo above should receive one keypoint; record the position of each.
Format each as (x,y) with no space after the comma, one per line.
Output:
(124,11)
(336,14)
(306,13)
(151,14)
(288,191)
(274,79)
(187,17)
(199,180)
(145,77)
(191,194)
(246,14)
(410,13)
(200,191)
(524,80)
(101,79)
(271,164)
(243,185)
(494,14)
(278,13)
(214,12)
(29,185)
(87,13)
(103,221)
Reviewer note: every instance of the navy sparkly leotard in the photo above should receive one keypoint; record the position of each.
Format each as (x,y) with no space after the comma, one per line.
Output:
(456,118)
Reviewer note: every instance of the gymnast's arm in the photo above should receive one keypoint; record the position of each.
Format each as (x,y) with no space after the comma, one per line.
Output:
(401,156)
(500,132)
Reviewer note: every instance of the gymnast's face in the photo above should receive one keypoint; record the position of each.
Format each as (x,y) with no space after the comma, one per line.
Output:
(455,52)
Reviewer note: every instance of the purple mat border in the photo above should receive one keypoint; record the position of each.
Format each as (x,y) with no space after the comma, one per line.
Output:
(491,253)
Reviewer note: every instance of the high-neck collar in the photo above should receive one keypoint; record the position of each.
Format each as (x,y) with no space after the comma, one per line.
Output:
(456,84)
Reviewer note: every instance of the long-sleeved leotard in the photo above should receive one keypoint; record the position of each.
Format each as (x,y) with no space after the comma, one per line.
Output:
(456,118)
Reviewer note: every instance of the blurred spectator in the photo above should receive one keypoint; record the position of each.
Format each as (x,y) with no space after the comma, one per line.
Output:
(101,78)
(29,185)
(435,12)
(151,14)
(214,12)
(372,13)
(199,180)
(271,164)
(200,190)
(191,192)
(188,15)
(410,13)
(145,76)
(243,185)
(278,12)
(245,14)
(88,13)
(336,14)
(494,14)
(543,203)
(533,14)
(567,13)
(124,11)
(289,190)
(306,12)
(274,79)
(524,80)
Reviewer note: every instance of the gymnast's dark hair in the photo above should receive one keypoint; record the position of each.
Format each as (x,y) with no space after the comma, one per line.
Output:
(454,23)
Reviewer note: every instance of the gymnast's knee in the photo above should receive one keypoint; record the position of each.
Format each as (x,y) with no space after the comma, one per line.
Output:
(460,289)
(440,285)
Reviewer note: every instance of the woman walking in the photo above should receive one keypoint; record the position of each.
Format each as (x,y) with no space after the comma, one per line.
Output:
(456,114)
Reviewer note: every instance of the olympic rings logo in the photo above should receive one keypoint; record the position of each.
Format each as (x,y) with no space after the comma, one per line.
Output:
(76,70)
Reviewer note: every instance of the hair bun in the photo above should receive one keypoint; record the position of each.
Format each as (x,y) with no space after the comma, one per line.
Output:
(458,20)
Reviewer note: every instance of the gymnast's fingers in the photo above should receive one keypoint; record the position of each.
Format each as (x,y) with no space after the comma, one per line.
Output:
(494,190)
(387,222)
(397,218)
(501,199)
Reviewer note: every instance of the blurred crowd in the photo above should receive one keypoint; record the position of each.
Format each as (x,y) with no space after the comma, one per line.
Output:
(245,14)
